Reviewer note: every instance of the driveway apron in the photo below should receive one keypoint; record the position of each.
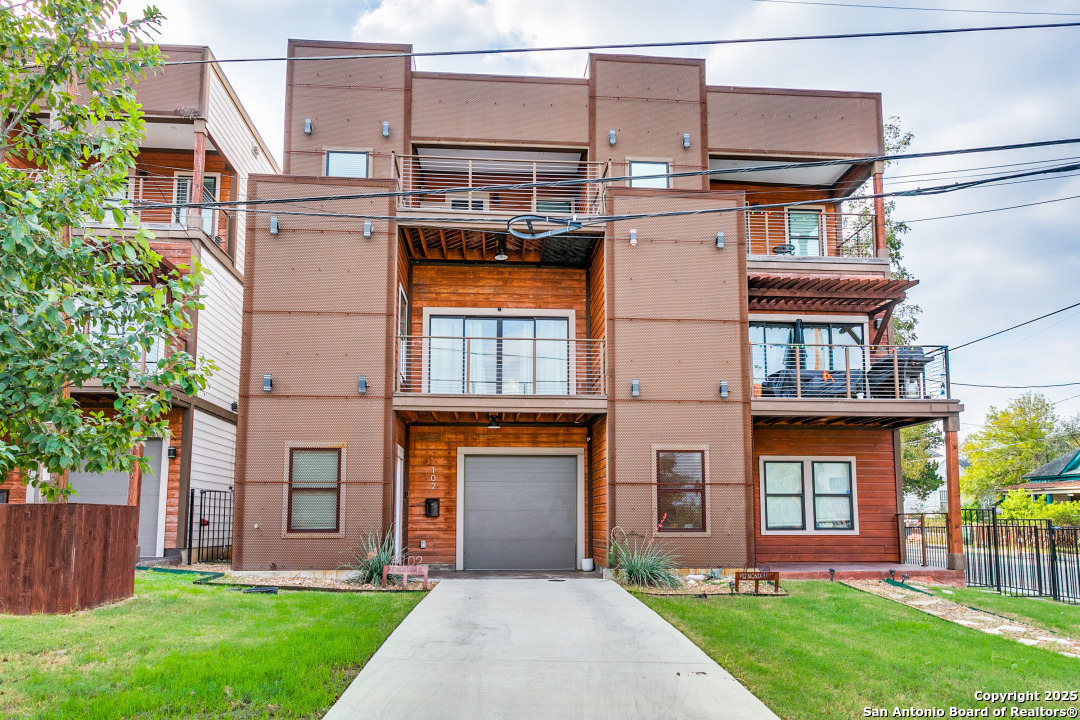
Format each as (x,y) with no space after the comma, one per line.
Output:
(536,648)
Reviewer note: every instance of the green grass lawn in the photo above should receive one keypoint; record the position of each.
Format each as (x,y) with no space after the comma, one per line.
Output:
(828,650)
(1039,612)
(181,650)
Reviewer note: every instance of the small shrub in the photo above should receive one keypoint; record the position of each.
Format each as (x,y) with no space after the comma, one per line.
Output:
(644,564)
(374,552)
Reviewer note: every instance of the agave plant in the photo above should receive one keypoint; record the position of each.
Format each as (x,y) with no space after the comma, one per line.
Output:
(374,552)
(641,563)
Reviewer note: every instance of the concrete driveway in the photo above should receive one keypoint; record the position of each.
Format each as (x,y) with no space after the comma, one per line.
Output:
(536,648)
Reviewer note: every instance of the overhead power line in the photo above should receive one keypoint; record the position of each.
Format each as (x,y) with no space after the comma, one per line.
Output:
(1008,329)
(927,9)
(633,46)
(997,209)
(1016,387)
(683,174)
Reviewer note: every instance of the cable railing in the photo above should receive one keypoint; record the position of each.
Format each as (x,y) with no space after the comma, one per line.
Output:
(852,372)
(797,232)
(441,174)
(450,365)
(142,192)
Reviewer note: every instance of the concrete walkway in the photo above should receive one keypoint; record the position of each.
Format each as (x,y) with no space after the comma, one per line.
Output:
(533,648)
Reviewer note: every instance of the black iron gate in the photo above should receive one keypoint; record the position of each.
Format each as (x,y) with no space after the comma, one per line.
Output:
(1016,557)
(210,526)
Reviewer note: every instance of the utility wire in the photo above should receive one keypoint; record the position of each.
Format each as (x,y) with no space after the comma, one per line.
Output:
(1028,322)
(1016,387)
(928,9)
(630,46)
(689,173)
(997,209)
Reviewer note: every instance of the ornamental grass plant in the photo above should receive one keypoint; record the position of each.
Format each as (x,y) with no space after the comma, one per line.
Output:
(641,563)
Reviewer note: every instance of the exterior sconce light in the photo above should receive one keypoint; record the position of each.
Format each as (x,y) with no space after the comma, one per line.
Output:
(268,382)
(611,137)
(686,140)
(172,452)
(720,240)
(273,226)
(877,323)
(235,405)
(635,388)
(633,236)
(307,126)
(723,389)
(500,250)
(386,128)
(367,228)
(361,385)
(493,423)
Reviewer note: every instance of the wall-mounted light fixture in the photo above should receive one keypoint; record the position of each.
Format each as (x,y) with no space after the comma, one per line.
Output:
(633,236)
(723,389)
(686,140)
(268,382)
(877,323)
(172,452)
(611,137)
(500,250)
(720,240)
(273,226)
(386,128)
(493,423)
(367,228)
(635,388)
(361,385)
(235,405)
(307,126)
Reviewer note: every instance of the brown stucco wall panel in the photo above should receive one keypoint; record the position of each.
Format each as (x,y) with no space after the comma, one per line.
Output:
(479,109)
(782,122)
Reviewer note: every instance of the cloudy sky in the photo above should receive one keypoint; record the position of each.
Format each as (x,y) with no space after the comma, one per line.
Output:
(978,273)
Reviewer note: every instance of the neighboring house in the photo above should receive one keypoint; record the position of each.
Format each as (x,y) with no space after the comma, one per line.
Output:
(721,382)
(1056,481)
(938,500)
(197,134)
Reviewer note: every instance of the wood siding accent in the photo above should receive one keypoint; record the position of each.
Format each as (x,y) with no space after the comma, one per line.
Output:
(173,521)
(769,195)
(875,486)
(160,183)
(435,446)
(60,558)
(597,495)
(485,286)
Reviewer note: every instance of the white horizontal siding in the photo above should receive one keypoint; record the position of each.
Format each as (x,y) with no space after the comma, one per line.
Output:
(213,452)
(234,138)
(219,331)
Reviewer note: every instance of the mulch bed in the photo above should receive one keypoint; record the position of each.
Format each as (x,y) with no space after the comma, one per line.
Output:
(296,581)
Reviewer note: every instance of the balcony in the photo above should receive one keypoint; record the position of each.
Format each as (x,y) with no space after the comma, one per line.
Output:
(449,177)
(500,373)
(898,384)
(796,233)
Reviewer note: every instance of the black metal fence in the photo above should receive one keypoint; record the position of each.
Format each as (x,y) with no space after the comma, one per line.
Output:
(210,526)
(1015,557)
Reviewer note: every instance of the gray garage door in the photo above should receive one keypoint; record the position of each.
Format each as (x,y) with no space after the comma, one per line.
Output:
(520,512)
(112,489)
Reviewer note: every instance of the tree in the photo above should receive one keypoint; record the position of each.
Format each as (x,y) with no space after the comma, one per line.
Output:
(80,305)
(919,467)
(1024,435)
(906,314)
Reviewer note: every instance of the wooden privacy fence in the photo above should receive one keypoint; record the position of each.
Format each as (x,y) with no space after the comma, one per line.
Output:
(59,558)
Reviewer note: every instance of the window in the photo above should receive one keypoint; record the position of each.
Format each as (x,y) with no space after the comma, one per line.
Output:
(346,164)
(808,495)
(554,207)
(639,169)
(183,194)
(680,490)
(804,231)
(3,497)
(498,356)
(821,347)
(467,201)
(314,486)
(403,332)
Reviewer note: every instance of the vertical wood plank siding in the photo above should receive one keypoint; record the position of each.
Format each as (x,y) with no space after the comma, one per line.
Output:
(875,486)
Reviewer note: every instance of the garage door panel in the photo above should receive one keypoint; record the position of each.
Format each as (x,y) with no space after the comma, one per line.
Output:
(520,512)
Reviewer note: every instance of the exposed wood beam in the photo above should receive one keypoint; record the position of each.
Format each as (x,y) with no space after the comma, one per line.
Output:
(885,320)
(423,242)
(442,239)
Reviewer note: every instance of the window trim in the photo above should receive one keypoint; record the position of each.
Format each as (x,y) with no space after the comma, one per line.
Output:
(809,518)
(630,161)
(823,249)
(286,510)
(348,151)
(766,495)
(706,490)
(178,214)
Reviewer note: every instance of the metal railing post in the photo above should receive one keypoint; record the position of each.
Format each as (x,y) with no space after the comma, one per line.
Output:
(468,365)
(798,372)
(191,514)
(534,188)
(847,372)
(896,373)
(534,362)
(923,528)
(996,567)
(1054,591)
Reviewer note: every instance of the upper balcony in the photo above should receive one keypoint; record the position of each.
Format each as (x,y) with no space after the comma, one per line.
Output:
(468,182)
(810,232)
(895,384)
